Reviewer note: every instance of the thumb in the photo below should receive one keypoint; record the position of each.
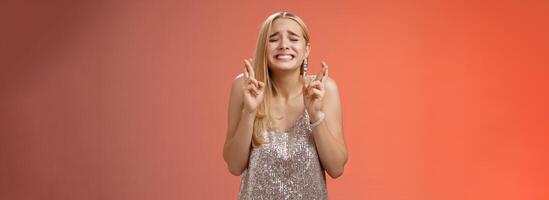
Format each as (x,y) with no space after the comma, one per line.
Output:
(261,85)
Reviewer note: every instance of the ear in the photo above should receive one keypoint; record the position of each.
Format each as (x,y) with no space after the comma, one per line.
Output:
(308,51)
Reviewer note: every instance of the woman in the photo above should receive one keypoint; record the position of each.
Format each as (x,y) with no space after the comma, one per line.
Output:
(285,128)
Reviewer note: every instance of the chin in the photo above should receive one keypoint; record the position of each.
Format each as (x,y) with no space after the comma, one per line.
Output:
(284,66)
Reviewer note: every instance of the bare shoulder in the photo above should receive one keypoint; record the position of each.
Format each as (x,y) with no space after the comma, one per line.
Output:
(239,78)
(237,82)
(235,101)
(331,88)
(236,91)
(330,85)
(235,105)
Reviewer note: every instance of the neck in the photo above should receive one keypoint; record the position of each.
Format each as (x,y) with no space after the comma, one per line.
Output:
(287,83)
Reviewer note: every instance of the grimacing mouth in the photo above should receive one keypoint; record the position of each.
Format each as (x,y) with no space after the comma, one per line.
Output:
(277,55)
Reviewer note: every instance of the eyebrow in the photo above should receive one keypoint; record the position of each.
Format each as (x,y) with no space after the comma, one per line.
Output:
(290,32)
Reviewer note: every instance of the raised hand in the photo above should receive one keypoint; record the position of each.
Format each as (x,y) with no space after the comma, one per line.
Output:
(313,93)
(254,90)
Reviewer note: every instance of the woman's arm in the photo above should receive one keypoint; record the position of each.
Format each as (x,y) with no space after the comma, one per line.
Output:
(239,132)
(328,135)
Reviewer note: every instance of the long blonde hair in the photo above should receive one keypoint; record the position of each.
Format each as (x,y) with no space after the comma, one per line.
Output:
(263,120)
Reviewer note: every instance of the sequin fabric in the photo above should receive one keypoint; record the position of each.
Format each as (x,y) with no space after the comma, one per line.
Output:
(286,166)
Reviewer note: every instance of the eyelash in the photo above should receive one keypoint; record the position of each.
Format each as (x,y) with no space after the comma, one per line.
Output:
(294,40)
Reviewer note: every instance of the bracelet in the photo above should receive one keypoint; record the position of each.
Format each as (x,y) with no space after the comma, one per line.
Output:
(313,125)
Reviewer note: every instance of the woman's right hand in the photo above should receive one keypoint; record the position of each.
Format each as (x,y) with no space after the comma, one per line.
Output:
(254,90)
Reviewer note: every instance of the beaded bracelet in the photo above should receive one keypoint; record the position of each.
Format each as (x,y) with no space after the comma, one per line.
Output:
(313,125)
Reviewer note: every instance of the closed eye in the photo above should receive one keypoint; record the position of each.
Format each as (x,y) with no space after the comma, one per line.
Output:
(291,39)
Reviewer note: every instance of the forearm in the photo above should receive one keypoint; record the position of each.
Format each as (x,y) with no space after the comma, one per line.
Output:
(331,151)
(237,149)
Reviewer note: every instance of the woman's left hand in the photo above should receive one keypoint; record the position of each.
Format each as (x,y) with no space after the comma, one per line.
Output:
(313,93)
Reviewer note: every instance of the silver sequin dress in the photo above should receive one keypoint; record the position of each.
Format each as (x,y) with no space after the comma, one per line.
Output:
(286,166)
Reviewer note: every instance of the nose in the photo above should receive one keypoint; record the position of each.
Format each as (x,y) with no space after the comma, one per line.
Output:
(283,45)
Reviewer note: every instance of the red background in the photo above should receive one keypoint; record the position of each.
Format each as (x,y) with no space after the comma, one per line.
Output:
(128,99)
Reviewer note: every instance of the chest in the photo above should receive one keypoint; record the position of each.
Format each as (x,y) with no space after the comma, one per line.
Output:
(286,114)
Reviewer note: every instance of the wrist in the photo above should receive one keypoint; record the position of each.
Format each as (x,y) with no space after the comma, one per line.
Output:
(319,119)
(247,112)
(315,116)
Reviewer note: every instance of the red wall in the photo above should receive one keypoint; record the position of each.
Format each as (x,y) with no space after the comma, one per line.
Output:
(128,100)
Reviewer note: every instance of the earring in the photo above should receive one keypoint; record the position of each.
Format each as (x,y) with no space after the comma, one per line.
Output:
(305,66)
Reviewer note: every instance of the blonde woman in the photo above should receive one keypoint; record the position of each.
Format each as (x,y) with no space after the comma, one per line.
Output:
(285,127)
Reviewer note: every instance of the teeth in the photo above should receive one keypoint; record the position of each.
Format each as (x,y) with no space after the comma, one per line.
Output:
(285,57)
